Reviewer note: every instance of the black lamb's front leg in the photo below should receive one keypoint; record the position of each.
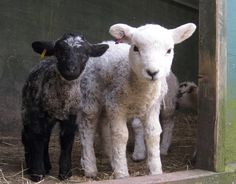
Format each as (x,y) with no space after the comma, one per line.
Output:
(67,134)
(35,137)
(25,140)
(47,163)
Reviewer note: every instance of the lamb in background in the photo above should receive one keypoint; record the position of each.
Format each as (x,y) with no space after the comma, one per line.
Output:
(187,96)
(127,82)
(182,97)
(50,95)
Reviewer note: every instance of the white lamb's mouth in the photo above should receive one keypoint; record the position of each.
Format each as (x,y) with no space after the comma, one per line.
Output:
(151,79)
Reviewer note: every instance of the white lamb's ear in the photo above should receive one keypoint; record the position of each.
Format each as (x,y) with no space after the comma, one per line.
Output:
(122,32)
(183,32)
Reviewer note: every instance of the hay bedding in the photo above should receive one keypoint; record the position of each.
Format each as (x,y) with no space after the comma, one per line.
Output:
(184,139)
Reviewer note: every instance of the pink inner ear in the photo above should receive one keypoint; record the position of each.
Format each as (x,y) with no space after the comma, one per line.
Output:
(121,40)
(117,41)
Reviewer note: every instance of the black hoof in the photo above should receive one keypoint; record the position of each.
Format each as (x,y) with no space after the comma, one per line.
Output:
(65,176)
(36,177)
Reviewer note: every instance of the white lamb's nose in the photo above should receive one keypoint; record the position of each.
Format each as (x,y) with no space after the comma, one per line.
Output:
(152,73)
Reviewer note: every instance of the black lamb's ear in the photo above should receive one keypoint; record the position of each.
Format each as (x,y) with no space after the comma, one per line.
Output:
(43,46)
(98,49)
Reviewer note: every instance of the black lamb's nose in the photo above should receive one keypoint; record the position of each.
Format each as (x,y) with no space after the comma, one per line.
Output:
(71,68)
(152,74)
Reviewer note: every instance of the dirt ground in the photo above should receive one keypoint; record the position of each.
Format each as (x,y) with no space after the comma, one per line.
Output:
(179,157)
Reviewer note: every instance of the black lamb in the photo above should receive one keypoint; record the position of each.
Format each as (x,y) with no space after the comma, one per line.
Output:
(51,95)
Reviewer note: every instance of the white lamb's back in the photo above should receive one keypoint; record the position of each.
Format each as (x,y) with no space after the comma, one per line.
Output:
(116,55)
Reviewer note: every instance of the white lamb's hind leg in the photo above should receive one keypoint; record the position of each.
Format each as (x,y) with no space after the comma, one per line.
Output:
(106,136)
(139,145)
(87,129)
(119,134)
(152,131)
(167,127)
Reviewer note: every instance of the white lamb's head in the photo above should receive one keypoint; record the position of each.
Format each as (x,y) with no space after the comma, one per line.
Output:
(152,47)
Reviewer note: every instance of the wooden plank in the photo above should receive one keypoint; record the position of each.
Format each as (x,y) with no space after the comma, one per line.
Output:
(181,177)
(212,85)
(221,60)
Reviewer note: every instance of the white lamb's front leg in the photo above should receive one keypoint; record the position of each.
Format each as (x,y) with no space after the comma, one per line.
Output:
(105,130)
(139,145)
(152,132)
(119,135)
(87,129)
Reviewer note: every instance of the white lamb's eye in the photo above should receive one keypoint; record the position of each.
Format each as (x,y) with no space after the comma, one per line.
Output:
(168,51)
(136,49)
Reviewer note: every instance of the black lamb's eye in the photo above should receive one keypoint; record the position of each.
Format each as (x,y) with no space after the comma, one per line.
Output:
(168,51)
(136,49)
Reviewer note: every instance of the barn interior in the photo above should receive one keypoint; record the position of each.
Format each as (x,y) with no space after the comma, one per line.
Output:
(23,22)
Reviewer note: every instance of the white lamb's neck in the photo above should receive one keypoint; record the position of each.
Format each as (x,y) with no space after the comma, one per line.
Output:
(143,94)
(141,84)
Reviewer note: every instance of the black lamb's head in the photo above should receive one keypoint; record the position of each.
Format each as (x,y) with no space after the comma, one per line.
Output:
(72,53)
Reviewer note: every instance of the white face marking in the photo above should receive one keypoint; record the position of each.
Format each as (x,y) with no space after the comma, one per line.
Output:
(74,42)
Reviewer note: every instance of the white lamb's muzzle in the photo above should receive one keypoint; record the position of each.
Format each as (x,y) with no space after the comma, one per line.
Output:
(153,71)
(150,74)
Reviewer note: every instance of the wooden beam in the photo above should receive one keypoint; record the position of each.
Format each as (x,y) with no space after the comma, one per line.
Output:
(221,72)
(180,177)
(212,85)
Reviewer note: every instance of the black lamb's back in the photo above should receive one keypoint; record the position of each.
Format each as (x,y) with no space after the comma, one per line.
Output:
(32,89)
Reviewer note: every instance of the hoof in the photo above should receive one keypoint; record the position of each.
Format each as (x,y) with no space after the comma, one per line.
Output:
(121,176)
(92,175)
(138,157)
(62,176)
(156,172)
(36,177)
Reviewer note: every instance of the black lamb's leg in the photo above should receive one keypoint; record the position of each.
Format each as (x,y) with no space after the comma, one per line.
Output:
(47,163)
(34,152)
(25,140)
(67,134)
(33,137)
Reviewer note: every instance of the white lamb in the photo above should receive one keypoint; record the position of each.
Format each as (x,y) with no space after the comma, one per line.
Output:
(128,82)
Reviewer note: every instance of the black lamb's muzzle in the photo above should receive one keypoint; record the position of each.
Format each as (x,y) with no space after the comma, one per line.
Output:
(69,74)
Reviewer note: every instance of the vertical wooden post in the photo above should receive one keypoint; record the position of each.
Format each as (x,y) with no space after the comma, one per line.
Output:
(212,84)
